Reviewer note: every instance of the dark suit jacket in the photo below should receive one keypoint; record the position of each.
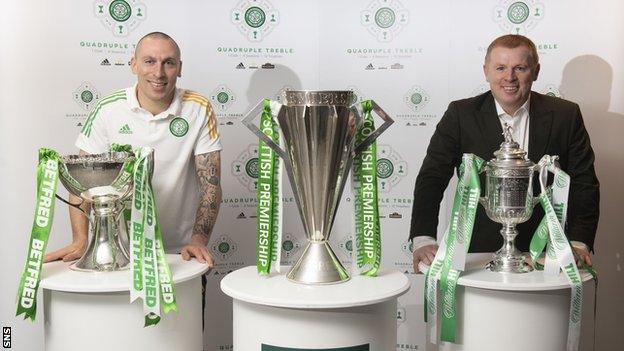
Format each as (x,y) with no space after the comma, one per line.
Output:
(472,126)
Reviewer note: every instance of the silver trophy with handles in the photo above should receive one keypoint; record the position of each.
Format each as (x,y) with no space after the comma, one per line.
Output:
(318,129)
(509,200)
(105,182)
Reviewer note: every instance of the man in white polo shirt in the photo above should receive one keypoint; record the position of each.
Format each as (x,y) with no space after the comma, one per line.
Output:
(541,125)
(180,125)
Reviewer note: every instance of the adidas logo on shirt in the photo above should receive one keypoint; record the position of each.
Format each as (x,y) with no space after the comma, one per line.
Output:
(125,129)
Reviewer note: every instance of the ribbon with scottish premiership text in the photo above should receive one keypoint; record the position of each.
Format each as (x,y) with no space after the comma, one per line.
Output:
(450,259)
(269,209)
(364,183)
(559,253)
(151,276)
(47,181)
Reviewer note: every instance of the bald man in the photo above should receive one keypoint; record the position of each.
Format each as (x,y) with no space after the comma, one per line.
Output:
(180,126)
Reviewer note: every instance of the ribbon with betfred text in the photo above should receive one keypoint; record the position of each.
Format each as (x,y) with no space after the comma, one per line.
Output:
(47,181)
(450,259)
(151,276)
(364,183)
(559,249)
(269,209)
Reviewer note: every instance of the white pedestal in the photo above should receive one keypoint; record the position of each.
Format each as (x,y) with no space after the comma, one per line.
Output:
(92,311)
(505,311)
(272,313)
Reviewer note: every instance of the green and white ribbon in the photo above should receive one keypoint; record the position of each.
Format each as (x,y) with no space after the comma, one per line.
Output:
(151,276)
(558,193)
(47,181)
(450,259)
(269,209)
(560,246)
(364,183)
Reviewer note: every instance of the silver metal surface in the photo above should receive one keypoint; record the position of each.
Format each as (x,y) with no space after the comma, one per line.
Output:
(100,181)
(318,129)
(509,200)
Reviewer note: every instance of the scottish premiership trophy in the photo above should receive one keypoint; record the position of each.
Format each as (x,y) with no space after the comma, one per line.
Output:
(318,129)
(105,182)
(509,200)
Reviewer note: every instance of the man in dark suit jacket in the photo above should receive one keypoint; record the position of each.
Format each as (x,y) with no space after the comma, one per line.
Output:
(542,124)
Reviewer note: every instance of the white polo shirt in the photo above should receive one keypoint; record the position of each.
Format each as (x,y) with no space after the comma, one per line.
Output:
(187,128)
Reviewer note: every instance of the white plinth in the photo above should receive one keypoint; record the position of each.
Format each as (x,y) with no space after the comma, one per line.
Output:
(505,311)
(277,312)
(92,311)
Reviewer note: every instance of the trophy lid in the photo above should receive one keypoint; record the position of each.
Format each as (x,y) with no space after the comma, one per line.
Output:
(510,155)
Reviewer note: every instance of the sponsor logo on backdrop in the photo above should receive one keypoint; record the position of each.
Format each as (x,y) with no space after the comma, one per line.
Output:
(255,19)
(120,16)
(416,99)
(552,90)
(245,168)
(384,19)
(391,168)
(224,249)
(518,17)
(291,244)
(86,96)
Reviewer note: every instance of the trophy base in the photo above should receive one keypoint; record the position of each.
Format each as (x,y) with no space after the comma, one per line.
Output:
(318,265)
(509,265)
(75,267)
(101,259)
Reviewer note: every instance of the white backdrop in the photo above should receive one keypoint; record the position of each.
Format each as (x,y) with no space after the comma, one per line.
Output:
(412,57)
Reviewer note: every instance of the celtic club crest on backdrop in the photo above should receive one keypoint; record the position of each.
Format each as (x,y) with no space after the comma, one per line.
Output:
(255,18)
(223,248)
(384,19)
(245,168)
(222,98)
(86,96)
(120,16)
(416,98)
(391,168)
(518,17)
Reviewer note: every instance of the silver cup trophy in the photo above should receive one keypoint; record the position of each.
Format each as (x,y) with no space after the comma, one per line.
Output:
(319,129)
(102,181)
(509,200)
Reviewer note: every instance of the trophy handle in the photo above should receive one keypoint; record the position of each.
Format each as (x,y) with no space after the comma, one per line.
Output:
(248,121)
(76,206)
(372,136)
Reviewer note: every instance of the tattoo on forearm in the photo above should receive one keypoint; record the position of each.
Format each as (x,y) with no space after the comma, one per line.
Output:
(208,168)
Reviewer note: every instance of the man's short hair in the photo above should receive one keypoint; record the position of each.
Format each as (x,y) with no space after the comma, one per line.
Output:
(512,41)
(159,35)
